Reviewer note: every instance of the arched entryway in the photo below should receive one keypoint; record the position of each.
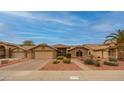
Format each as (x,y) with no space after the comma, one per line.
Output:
(79,53)
(2,52)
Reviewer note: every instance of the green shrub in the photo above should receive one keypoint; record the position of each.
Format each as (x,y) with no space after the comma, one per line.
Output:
(68,55)
(89,61)
(121,59)
(4,61)
(111,63)
(67,60)
(60,57)
(97,63)
(113,59)
(56,61)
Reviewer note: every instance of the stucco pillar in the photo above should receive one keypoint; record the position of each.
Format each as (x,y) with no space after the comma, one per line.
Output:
(107,54)
(7,53)
(116,53)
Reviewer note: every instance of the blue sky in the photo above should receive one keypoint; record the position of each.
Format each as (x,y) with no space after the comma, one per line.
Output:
(72,28)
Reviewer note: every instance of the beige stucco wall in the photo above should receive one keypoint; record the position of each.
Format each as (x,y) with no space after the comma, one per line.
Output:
(101,53)
(121,52)
(97,53)
(84,51)
(29,54)
(105,54)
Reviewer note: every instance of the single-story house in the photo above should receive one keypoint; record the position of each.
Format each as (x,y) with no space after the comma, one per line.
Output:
(44,51)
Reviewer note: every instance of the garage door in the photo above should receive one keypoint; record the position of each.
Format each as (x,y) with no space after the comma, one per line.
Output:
(44,55)
(18,55)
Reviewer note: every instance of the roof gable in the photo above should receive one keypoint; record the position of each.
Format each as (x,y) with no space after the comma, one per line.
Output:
(43,45)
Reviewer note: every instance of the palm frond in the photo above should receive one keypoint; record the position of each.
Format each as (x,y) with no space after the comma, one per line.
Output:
(107,40)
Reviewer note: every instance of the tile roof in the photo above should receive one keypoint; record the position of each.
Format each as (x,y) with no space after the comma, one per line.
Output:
(25,47)
(7,43)
(43,45)
(60,45)
(96,46)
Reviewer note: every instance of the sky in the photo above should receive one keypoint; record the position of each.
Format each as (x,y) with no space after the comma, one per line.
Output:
(71,28)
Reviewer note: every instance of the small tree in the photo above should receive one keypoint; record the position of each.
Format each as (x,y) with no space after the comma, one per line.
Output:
(28,42)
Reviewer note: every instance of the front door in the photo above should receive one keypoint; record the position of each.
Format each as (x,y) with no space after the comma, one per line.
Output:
(79,53)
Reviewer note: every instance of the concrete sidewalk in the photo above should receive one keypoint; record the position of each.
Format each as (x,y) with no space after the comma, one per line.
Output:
(116,75)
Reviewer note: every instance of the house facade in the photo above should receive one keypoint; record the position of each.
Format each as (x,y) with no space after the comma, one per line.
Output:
(44,51)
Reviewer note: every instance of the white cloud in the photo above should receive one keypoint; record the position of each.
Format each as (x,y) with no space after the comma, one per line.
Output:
(103,27)
(60,18)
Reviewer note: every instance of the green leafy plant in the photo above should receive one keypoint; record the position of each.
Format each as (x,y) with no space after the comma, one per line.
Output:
(111,63)
(89,61)
(68,55)
(67,60)
(97,63)
(60,57)
(113,59)
(4,61)
(56,61)
(121,59)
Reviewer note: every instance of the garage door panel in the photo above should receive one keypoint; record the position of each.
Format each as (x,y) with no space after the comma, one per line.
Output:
(43,55)
(18,55)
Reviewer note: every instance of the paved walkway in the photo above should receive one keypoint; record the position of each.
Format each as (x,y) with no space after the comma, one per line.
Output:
(117,75)
(82,66)
(27,65)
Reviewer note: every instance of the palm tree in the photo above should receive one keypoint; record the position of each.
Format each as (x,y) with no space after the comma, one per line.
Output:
(118,37)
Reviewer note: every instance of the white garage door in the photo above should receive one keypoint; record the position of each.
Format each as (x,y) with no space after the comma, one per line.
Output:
(44,55)
(18,55)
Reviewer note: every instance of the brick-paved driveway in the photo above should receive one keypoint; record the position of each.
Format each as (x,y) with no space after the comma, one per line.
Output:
(32,64)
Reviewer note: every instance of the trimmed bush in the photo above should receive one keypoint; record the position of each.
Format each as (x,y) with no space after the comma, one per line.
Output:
(60,57)
(89,61)
(98,57)
(68,55)
(113,59)
(121,59)
(111,63)
(4,61)
(56,61)
(67,60)
(97,63)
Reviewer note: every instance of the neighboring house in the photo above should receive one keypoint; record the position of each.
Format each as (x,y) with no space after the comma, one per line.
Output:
(44,51)
(6,49)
